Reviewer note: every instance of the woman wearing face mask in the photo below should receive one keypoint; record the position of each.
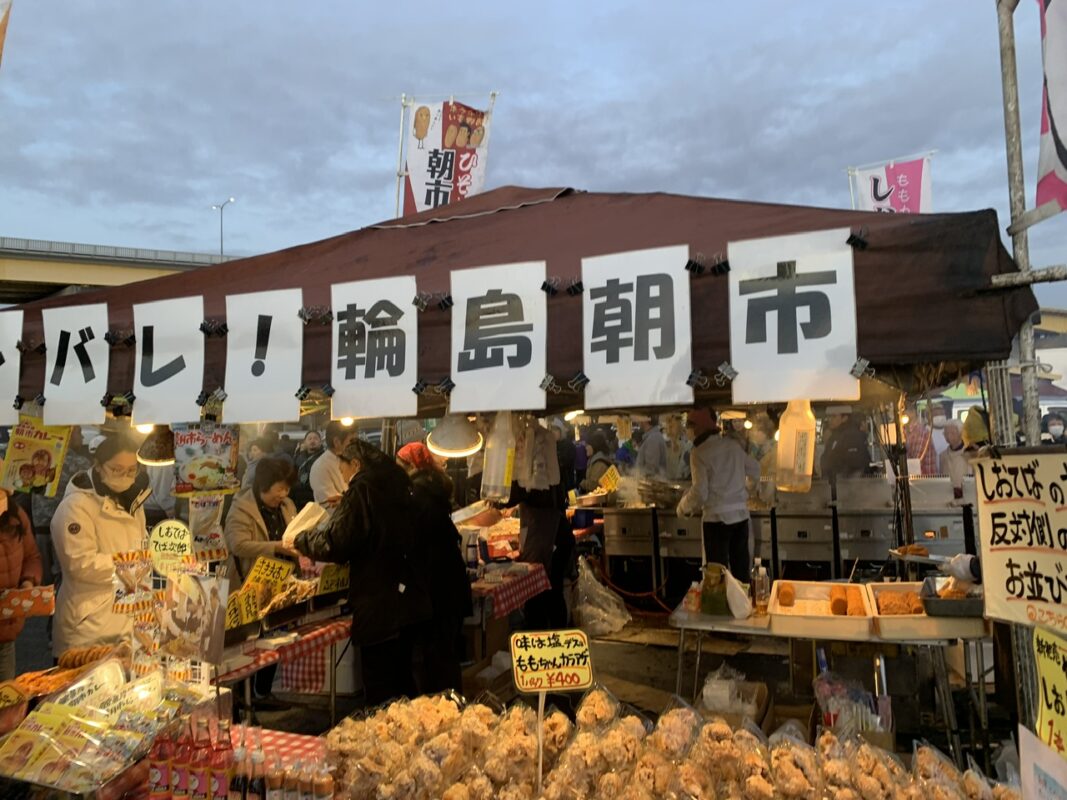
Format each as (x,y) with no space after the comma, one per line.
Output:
(1055,429)
(100,515)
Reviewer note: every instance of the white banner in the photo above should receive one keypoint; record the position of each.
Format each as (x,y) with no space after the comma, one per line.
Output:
(896,187)
(636,332)
(374,364)
(77,357)
(793,318)
(1052,161)
(1022,520)
(446,153)
(264,356)
(499,338)
(169,372)
(10,360)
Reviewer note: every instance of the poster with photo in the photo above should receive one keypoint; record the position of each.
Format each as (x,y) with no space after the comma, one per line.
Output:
(34,457)
(194,613)
(205,459)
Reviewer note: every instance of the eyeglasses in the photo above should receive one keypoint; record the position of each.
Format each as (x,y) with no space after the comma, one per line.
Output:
(130,472)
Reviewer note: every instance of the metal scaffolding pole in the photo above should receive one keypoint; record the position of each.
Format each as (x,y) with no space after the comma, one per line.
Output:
(1021,636)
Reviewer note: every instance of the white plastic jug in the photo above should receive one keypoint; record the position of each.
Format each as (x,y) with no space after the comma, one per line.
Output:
(796,447)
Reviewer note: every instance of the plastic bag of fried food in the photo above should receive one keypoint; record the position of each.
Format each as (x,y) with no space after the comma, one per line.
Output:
(795,766)
(598,708)
(675,730)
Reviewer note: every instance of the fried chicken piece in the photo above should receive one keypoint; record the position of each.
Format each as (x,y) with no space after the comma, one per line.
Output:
(596,709)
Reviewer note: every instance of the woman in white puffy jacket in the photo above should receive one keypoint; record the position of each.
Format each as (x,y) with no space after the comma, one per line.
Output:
(101,514)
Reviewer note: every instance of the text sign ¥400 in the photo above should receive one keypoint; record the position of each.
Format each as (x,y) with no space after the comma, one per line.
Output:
(1022,517)
(551,661)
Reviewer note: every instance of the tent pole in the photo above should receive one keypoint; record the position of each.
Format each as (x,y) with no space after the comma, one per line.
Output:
(400,155)
(852,188)
(1021,636)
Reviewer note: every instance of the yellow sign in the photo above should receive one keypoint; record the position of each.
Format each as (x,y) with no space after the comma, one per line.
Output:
(551,661)
(170,542)
(241,608)
(270,572)
(610,479)
(334,578)
(1050,653)
(572,498)
(10,695)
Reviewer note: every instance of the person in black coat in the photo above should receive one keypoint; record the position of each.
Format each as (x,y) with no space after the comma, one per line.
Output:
(375,529)
(846,451)
(441,651)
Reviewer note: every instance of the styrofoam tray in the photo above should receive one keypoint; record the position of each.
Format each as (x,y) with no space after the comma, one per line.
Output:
(918,627)
(818,626)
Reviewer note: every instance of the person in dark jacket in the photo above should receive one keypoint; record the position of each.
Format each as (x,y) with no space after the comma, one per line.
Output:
(442,649)
(375,530)
(20,568)
(846,451)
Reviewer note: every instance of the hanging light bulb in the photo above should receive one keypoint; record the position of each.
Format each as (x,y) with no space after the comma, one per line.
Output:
(158,449)
(147,428)
(904,419)
(454,437)
(348,422)
(748,424)
(573,415)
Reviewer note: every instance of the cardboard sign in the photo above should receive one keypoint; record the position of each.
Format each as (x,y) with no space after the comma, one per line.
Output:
(170,542)
(1050,657)
(610,479)
(334,578)
(1022,517)
(270,572)
(556,661)
(241,608)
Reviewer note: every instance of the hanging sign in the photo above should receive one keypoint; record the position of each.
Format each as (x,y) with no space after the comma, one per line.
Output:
(34,457)
(334,578)
(637,341)
(375,348)
(901,187)
(446,152)
(76,364)
(793,318)
(609,481)
(553,661)
(499,338)
(10,360)
(170,544)
(1022,519)
(169,371)
(1050,658)
(264,356)
(205,459)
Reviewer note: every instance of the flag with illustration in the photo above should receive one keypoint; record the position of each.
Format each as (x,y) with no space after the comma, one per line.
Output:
(1052,161)
(446,147)
(901,187)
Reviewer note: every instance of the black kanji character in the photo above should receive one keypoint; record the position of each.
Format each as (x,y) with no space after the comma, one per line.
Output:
(494,323)
(441,165)
(785,302)
(613,319)
(369,338)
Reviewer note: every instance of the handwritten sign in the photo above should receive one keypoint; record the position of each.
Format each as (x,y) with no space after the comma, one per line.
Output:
(556,661)
(334,578)
(270,572)
(1050,657)
(1044,774)
(233,611)
(610,479)
(169,543)
(241,608)
(1022,517)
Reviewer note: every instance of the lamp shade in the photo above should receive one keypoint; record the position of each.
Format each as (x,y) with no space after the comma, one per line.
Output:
(454,437)
(157,450)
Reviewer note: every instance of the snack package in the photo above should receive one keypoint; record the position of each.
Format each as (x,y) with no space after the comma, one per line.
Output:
(39,601)
(133,582)
(795,765)
(598,708)
(674,732)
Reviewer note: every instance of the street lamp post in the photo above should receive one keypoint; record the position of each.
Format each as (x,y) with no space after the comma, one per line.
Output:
(221,207)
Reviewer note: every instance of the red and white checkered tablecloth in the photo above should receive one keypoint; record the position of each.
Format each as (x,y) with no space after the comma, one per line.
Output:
(291,746)
(260,659)
(303,665)
(513,592)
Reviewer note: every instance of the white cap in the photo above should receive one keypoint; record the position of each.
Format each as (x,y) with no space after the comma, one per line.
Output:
(95,442)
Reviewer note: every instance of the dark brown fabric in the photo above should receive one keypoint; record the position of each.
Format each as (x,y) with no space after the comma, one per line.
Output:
(918,285)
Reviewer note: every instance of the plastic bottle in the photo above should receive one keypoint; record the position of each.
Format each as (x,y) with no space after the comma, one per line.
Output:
(796,447)
(292,781)
(200,762)
(257,781)
(159,759)
(499,460)
(222,763)
(761,589)
(276,780)
(471,550)
(179,764)
(238,788)
(323,784)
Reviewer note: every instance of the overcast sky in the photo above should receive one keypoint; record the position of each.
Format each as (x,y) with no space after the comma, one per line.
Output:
(122,122)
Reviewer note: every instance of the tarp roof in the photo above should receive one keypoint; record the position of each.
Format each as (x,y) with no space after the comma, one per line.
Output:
(921,284)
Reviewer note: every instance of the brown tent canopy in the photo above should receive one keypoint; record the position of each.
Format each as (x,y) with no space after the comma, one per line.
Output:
(923,303)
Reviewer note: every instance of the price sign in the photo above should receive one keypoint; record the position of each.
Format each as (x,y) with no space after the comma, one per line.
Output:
(1050,656)
(169,543)
(270,572)
(610,479)
(334,578)
(233,611)
(10,695)
(551,661)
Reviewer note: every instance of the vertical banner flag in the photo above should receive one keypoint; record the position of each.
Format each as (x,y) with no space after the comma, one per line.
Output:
(76,362)
(637,346)
(169,372)
(499,338)
(10,360)
(446,151)
(5,14)
(1052,162)
(793,318)
(1022,519)
(264,356)
(375,348)
(896,187)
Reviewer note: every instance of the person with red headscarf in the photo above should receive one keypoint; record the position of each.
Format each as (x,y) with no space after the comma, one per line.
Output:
(450,590)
